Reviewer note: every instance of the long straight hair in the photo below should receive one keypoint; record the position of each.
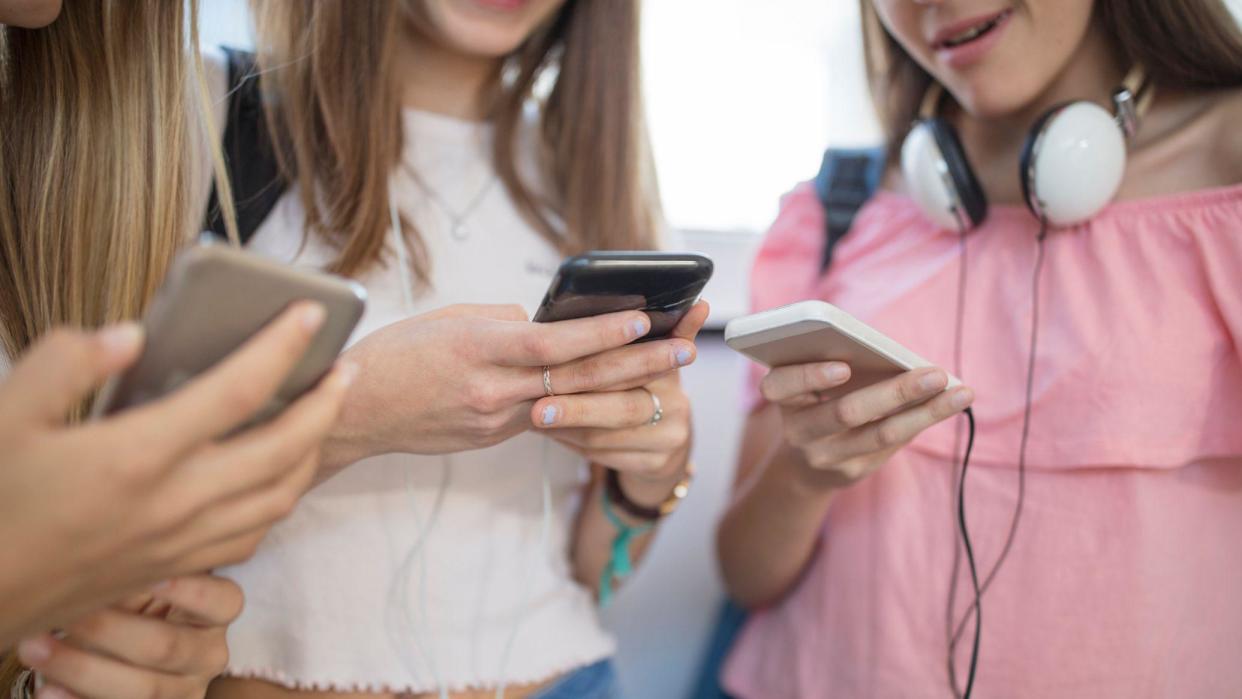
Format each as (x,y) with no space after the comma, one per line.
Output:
(334,112)
(102,113)
(97,136)
(1184,44)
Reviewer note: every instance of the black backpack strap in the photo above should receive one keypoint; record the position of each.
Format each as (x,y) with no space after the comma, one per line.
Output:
(250,161)
(846,180)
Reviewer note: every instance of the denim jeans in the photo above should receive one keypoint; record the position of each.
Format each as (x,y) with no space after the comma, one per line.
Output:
(598,681)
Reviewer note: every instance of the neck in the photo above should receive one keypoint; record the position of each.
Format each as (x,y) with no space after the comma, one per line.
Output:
(438,79)
(994,143)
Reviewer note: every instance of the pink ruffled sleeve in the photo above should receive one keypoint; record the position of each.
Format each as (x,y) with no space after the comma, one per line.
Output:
(786,267)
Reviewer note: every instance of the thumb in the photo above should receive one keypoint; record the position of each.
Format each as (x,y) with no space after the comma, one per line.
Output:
(690,324)
(62,369)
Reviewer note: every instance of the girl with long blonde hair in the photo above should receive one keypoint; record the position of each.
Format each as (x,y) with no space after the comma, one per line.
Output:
(108,527)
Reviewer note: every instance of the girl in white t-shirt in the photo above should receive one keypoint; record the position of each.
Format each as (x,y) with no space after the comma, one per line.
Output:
(463,552)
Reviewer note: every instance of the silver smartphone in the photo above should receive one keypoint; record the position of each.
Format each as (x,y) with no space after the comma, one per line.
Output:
(215,298)
(815,331)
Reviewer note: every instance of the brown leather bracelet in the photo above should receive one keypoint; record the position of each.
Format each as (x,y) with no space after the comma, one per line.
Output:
(616,495)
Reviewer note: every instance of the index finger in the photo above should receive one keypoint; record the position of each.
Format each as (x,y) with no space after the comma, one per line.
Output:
(546,344)
(797,384)
(229,393)
(201,600)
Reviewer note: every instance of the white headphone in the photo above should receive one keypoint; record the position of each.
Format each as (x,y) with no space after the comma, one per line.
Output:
(1071,166)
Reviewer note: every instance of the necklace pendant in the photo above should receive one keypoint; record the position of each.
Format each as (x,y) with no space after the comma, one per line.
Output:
(459,232)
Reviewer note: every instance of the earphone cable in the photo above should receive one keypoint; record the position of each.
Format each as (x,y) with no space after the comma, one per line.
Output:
(1036,277)
(545,549)
(970,556)
(958,337)
(417,552)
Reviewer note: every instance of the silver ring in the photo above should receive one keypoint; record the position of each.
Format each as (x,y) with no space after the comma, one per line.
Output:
(547,381)
(658,415)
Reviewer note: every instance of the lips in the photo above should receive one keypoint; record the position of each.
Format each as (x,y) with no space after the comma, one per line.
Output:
(507,5)
(962,44)
(964,32)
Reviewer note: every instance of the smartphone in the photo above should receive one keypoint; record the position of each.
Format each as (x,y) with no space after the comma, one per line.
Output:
(215,298)
(815,331)
(662,284)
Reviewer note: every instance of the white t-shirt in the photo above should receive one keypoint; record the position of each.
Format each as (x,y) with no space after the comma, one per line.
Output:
(335,599)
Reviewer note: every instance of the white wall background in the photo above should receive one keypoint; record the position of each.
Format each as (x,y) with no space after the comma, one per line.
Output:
(742,96)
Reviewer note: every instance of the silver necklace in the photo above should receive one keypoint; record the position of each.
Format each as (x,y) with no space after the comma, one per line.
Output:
(457,220)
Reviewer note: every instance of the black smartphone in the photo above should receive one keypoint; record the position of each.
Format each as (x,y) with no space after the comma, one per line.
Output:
(663,284)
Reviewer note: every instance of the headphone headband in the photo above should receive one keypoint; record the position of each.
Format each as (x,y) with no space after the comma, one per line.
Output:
(1131,100)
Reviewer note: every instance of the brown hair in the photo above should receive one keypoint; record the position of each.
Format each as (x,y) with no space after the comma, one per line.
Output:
(96,139)
(1184,44)
(328,70)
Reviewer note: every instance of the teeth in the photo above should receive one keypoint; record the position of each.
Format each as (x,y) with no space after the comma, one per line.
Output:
(973,33)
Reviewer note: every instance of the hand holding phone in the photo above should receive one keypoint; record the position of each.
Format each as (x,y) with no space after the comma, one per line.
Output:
(151,492)
(615,428)
(848,395)
(213,300)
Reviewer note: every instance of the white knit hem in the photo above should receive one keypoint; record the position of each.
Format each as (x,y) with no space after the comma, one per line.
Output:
(268,674)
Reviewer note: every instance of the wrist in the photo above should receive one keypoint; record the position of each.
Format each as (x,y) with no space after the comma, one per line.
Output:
(651,491)
(800,478)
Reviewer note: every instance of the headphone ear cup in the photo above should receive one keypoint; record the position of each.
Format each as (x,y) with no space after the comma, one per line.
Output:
(1072,163)
(939,175)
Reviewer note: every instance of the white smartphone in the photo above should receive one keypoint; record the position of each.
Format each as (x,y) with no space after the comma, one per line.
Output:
(815,331)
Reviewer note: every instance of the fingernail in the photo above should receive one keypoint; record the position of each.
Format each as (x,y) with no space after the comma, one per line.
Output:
(53,692)
(311,316)
(122,337)
(35,651)
(836,372)
(962,398)
(932,381)
(638,328)
(683,357)
(550,413)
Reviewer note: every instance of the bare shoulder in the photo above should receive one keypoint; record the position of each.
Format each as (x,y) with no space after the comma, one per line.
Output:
(1190,141)
(1225,115)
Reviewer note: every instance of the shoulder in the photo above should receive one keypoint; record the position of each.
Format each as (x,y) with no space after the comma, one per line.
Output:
(1225,114)
(1190,141)
(787,261)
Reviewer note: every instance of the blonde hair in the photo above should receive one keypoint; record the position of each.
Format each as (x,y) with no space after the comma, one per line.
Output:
(97,138)
(328,69)
(99,126)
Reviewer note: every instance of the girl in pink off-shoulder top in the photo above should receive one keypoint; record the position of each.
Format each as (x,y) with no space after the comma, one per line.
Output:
(1125,573)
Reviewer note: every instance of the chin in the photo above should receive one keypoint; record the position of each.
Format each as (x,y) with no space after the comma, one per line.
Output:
(29,14)
(487,28)
(995,96)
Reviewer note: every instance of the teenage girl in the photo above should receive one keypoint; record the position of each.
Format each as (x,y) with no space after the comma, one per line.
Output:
(1120,579)
(451,152)
(96,119)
